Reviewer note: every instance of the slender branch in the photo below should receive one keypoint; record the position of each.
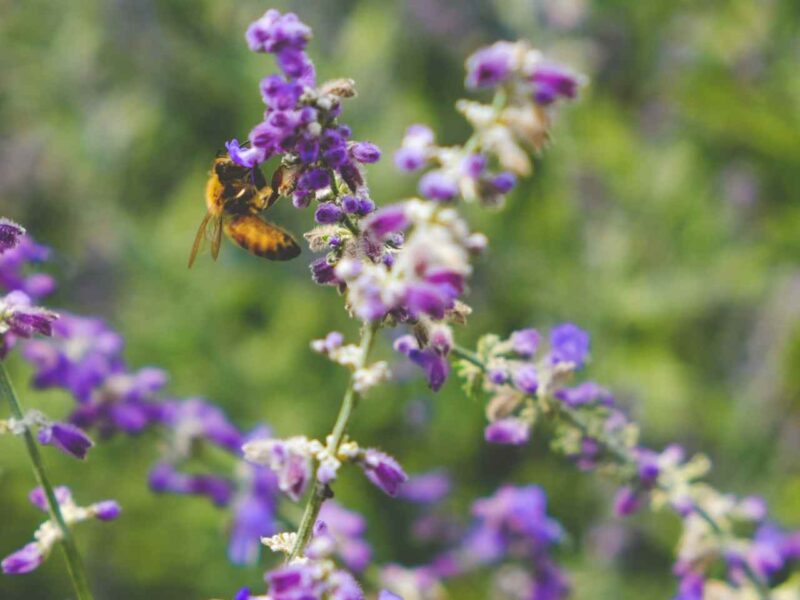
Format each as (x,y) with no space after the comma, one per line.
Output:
(620,456)
(71,554)
(320,492)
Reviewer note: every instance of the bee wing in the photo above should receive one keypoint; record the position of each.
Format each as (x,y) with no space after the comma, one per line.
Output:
(261,238)
(216,238)
(198,239)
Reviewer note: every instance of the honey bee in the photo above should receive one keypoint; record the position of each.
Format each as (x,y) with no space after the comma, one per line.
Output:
(235,195)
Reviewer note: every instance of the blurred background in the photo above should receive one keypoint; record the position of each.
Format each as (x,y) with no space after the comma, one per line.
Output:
(664,219)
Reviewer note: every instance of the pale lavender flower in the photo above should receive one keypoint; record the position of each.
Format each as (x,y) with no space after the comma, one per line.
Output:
(340,532)
(312,580)
(438,185)
(569,344)
(164,478)
(197,419)
(365,152)
(414,150)
(427,488)
(525,342)
(24,560)
(552,81)
(49,534)
(510,430)
(526,379)
(383,470)
(254,514)
(290,460)
(627,501)
(14,264)
(490,66)
(585,393)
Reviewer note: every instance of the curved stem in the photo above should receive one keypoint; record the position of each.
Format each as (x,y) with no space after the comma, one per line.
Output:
(320,492)
(71,554)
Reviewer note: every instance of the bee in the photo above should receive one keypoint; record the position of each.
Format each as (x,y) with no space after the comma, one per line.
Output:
(235,195)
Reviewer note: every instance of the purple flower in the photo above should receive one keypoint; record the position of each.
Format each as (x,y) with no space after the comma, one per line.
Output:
(20,319)
(627,501)
(513,518)
(309,582)
(288,459)
(504,182)
(246,157)
(67,438)
(328,213)
(384,471)
(10,234)
(436,366)
(510,430)
(551,82)
(323,272)
(340,531)
(275,32)
(107,510)
(489,66)
(82,353)
(39,500)
(428,488)
(13,266)
(387,595)
(314,179)
(525,342)
(253,517)
(691,587)
(203,421)
(474,165)
(25,560)
(242,594)
(389,219)
(164,478)
(437,185)
(526,379)
(122,402)
(280,94)
(413,153)
(365,152)
(587,392)
(569,344)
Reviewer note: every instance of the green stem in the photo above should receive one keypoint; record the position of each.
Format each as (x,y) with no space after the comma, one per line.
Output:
(320,492)
(71,554)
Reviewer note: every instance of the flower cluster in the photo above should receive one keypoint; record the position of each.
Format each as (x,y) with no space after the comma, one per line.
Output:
(48,534)
(352,357)
(340,532)
(301,125)
(18,317)
(66,437)
(527,86)
(511,533)
(312,579)
(526,383)
(84,356)
(17,253)
(295,460)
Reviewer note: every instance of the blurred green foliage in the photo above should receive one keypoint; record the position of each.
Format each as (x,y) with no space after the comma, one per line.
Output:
(664,219)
